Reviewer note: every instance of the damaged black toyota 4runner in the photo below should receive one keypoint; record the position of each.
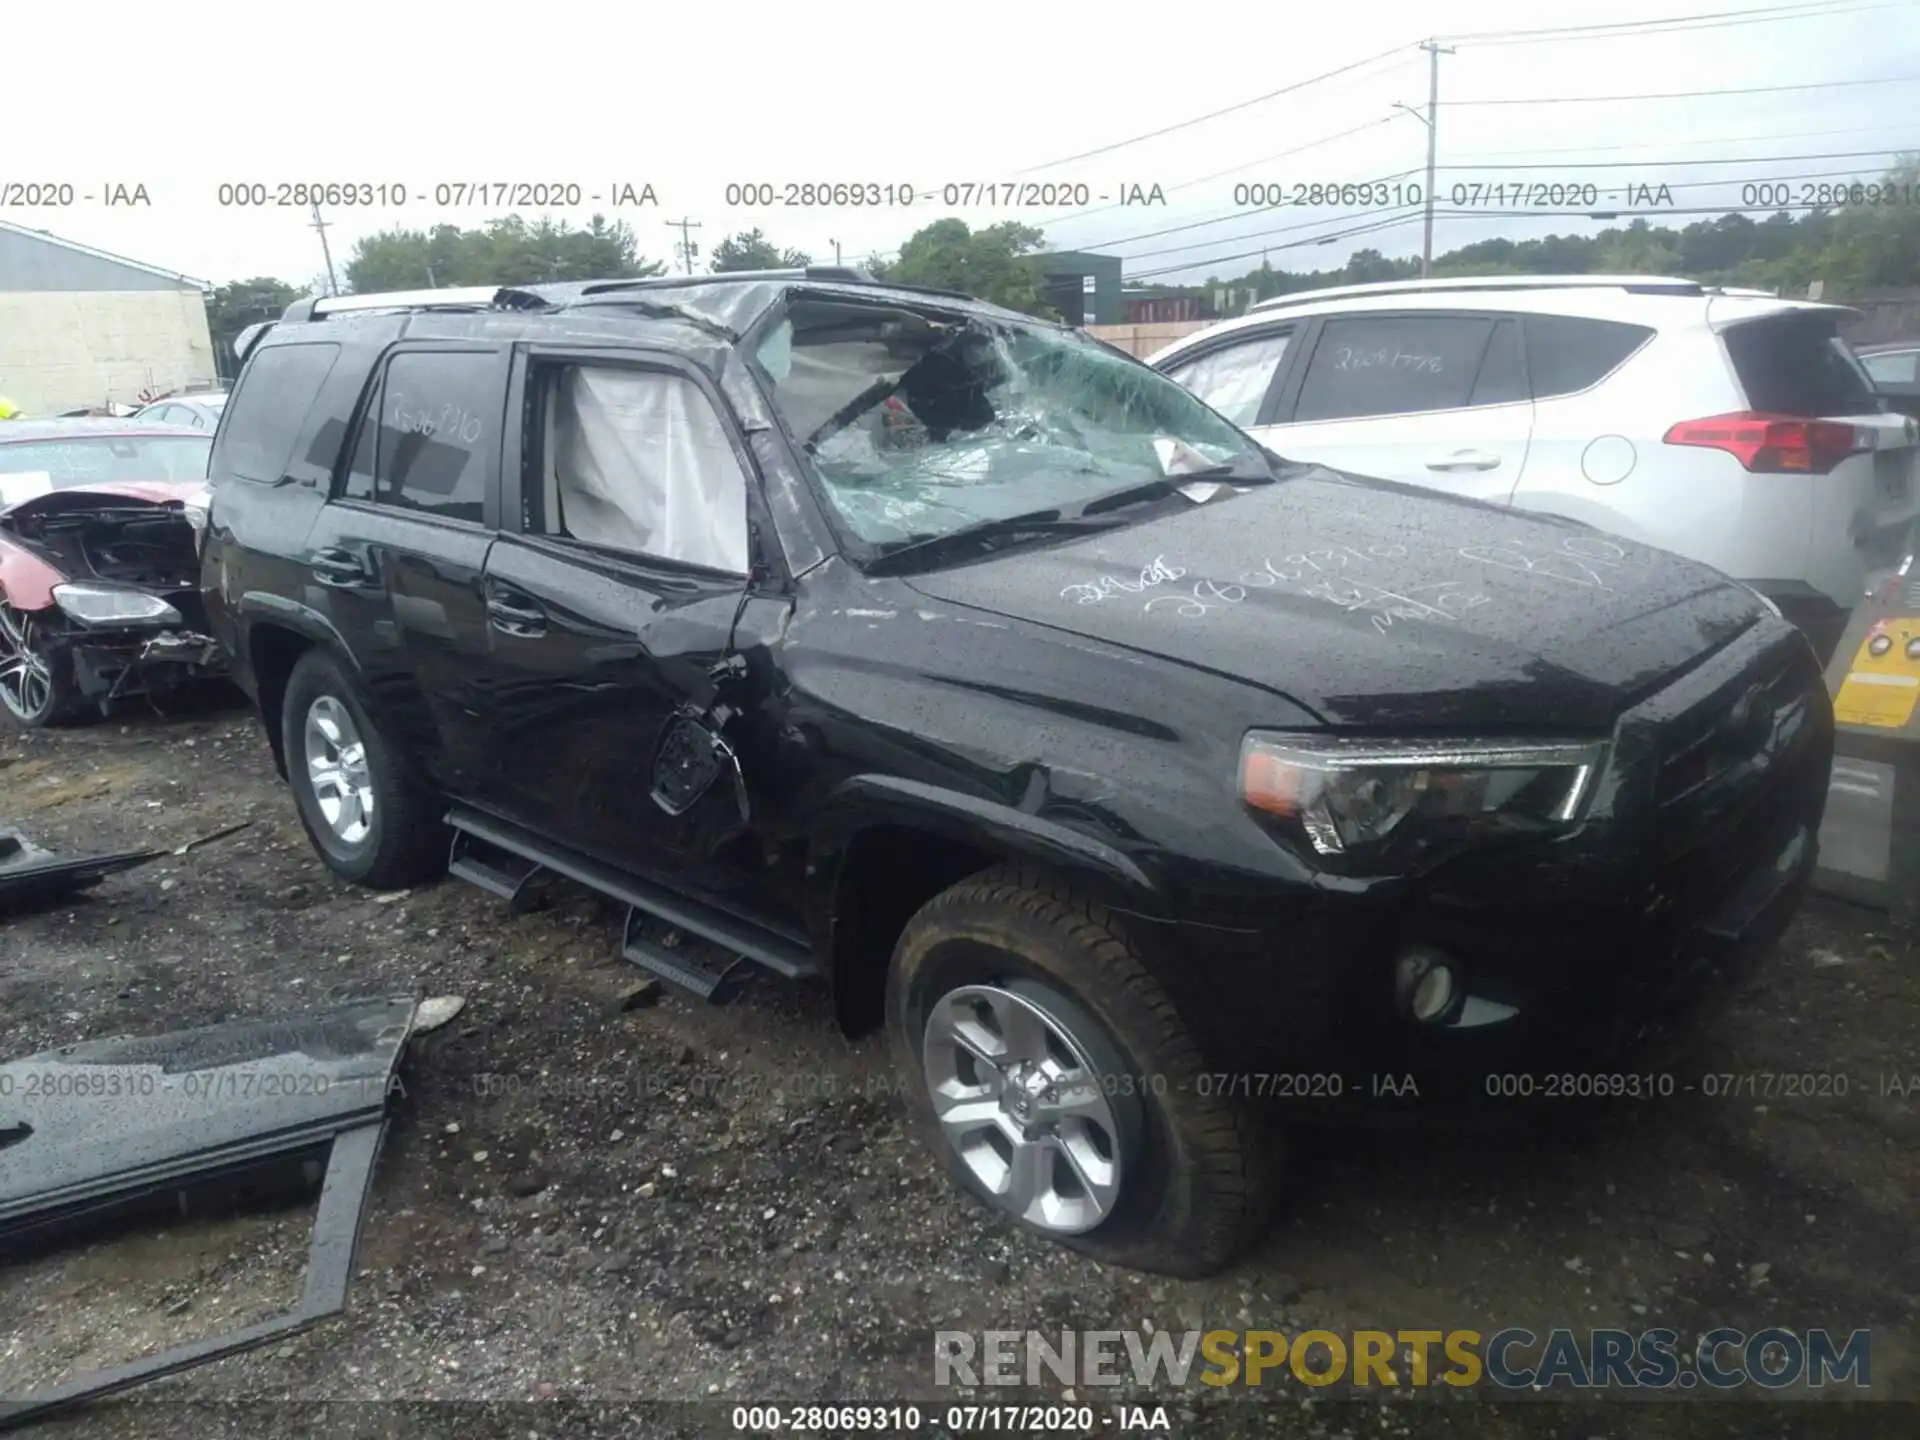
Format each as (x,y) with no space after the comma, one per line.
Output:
(1124,772)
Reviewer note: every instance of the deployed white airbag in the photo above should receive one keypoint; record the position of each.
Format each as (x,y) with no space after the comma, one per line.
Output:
(642,463)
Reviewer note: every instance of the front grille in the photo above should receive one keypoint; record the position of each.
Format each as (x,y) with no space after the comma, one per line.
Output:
(1736,770)
(1728,734)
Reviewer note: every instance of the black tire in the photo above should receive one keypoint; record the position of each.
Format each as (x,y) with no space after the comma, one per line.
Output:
(405,842)
(1200,1173)
(53,703)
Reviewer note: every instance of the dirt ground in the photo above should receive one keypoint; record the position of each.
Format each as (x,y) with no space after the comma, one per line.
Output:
(581,1205)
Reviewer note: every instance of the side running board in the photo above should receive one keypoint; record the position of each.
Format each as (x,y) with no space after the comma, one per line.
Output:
(502,859)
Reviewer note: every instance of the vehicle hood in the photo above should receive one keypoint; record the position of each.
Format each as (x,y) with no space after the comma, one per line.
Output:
(1379,605)
(80,497)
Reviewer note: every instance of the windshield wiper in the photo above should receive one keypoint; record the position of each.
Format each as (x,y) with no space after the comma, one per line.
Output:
(1168,485)
(1038,523)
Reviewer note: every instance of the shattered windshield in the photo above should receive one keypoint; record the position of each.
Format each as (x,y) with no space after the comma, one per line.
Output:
(918,425)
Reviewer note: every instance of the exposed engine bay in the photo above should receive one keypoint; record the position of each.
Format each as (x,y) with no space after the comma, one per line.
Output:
(100,552)
(128,542)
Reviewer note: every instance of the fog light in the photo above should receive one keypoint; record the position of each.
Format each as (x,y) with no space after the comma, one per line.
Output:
(1426,985)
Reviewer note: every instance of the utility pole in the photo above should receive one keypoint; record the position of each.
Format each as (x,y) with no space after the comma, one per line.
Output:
(686,247)
(1434,52)
(836,251)
(320,227)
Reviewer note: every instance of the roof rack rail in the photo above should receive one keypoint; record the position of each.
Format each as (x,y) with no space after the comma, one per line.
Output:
(470,297)
(243,342)
(1637,284)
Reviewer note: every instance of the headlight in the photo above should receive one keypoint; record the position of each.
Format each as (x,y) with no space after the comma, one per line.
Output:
(1349,795)
(110,605)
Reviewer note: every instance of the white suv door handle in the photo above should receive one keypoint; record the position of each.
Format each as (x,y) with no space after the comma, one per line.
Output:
(1464,460)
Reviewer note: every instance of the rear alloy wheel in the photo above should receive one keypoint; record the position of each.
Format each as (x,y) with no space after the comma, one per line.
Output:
(371,821)
(336,760)
(35,677)
(1059,1085)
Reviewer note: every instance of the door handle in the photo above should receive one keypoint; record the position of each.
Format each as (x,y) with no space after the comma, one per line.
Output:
(515,614)
(1464,460)
(338,568)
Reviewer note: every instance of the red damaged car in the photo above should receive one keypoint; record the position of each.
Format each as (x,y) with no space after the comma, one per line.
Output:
(100,525)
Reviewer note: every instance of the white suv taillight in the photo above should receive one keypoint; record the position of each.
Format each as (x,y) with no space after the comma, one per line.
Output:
(1775,444)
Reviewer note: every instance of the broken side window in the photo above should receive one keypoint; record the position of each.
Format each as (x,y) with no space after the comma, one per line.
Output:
(638,461)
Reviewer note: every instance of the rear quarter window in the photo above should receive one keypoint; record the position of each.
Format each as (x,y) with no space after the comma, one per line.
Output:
(1565,355)
(439,436)
(269,411)
(1796,364)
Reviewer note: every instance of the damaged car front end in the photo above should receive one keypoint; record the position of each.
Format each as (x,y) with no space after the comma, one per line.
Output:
(99,578)
(105,1132)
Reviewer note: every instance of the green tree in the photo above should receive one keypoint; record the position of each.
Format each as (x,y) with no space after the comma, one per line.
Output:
(751,250)
(240,303)
(505,251)
(999,263)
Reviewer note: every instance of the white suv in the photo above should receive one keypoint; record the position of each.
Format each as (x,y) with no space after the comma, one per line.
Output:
(1726,425)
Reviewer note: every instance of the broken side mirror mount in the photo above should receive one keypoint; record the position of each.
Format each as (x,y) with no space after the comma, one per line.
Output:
(691,759)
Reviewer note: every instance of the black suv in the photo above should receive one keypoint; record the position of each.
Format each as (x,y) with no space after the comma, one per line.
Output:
(1126,773)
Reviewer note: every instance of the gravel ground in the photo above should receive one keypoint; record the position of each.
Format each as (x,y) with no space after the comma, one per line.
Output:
(582,1203)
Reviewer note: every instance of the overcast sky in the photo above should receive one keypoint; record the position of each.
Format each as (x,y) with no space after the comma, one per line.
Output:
(416,96)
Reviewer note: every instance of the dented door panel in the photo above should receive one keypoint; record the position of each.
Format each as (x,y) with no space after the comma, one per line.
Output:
(591,656)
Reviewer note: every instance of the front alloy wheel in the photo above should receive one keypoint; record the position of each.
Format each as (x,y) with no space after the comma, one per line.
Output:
(1059,1084)
(31,680)
(1022,1106)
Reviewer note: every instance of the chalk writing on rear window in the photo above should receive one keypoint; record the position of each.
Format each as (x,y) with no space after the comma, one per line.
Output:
(448,421)
(1347,357)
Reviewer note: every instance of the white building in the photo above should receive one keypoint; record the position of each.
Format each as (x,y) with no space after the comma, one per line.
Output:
(80,327)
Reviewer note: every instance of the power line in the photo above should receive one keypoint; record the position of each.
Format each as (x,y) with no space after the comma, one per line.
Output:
(1670,164)
(1560,150)
(1402,174)
(1414,207)
(1231,170)
(1685,94)
(1672,24)
(1368,229)
(1243,214)
(1411,208)
(1408,219)
(1216,114)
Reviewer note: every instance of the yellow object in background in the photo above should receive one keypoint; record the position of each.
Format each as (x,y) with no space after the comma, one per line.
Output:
(1883,686)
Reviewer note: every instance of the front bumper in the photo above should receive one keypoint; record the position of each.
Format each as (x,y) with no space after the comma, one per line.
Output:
(111,662)
(1573,954)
